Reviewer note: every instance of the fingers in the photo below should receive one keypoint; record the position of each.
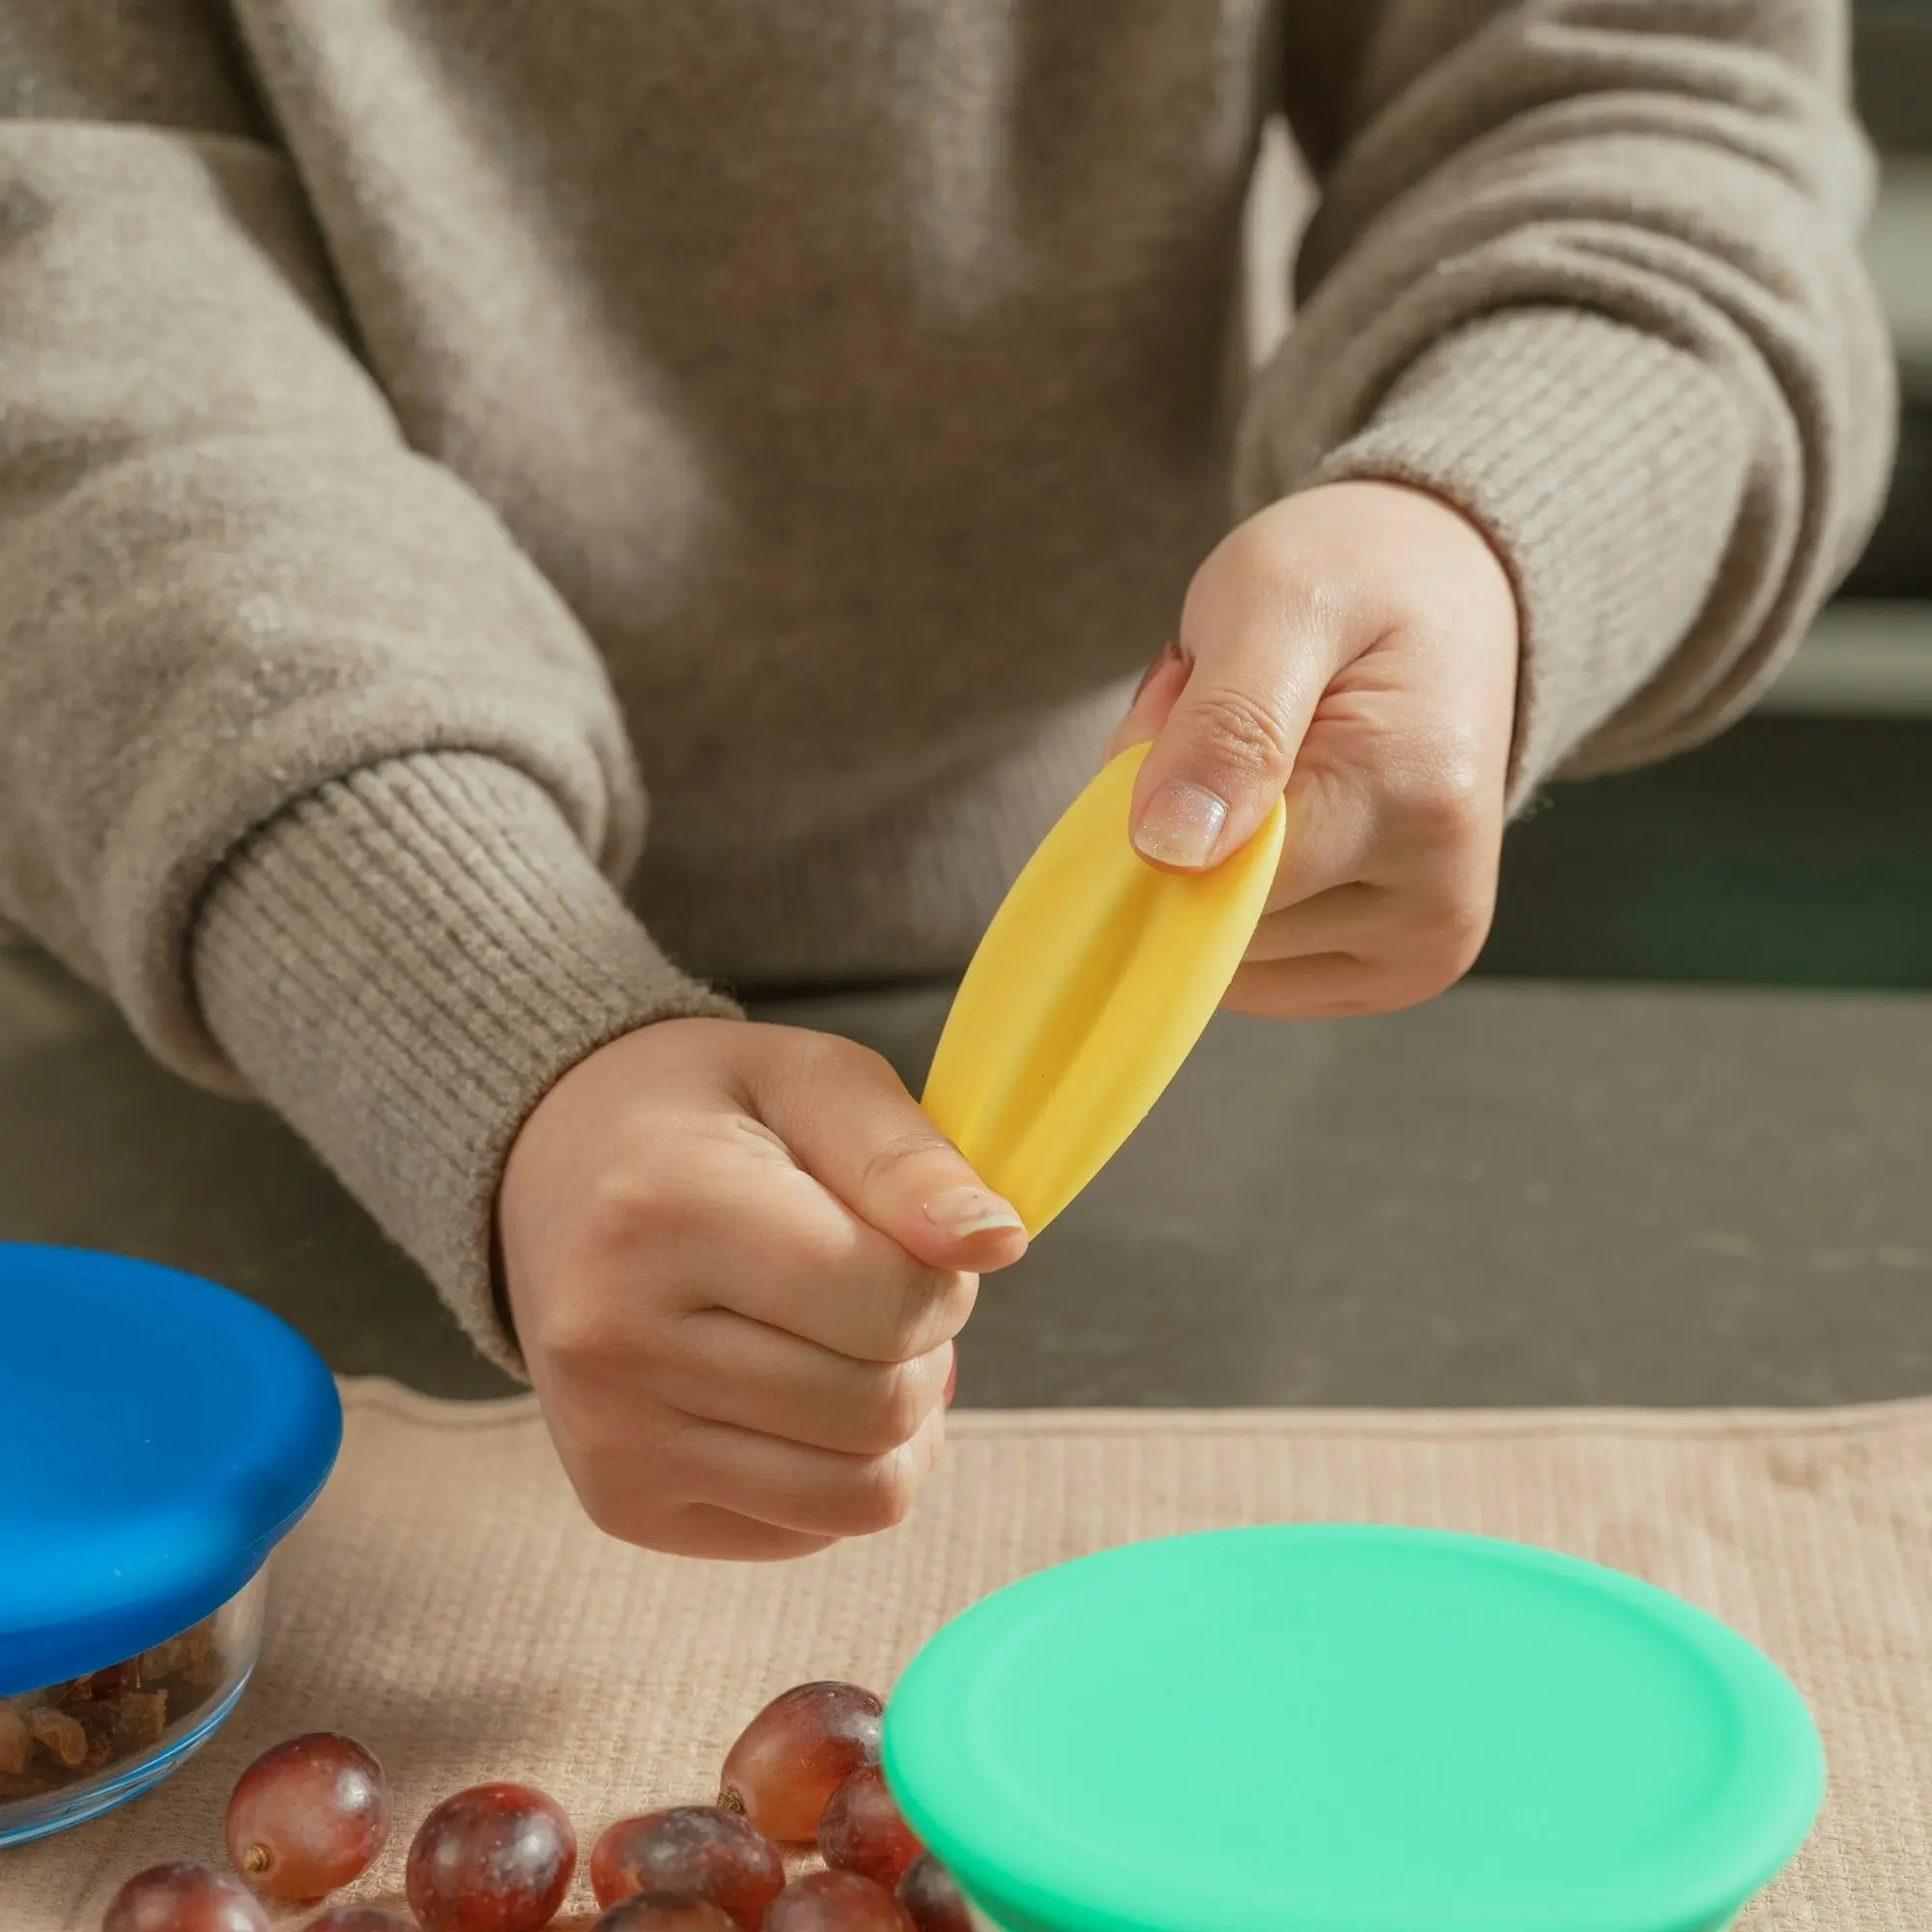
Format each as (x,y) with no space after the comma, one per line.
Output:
(807,1490)
(1397,875)
(1357,949)
(722,1536)
(743,1497)
(722,1368)
(754,1497)
(1362,947)
(1351,921)
(741,1208)
(642,1463)
(1389,788)
(1334,823)
(850,1122)
(735,1358)
(774,1248)
(1322,986)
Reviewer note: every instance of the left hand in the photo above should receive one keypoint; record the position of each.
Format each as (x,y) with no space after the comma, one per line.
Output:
(1355,646)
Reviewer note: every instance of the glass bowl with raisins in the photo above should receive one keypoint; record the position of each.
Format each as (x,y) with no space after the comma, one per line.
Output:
(161,1437)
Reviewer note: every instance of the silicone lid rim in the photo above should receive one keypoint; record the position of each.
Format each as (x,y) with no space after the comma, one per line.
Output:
(927,1753)
(214,1427)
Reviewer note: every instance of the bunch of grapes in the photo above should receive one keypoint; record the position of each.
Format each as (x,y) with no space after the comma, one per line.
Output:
(310,1816)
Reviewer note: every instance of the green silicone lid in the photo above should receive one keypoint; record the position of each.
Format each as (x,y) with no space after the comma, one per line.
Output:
(1343,1729)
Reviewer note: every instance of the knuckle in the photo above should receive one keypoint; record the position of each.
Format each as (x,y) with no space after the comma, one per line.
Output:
(567,1339)
(615,1501)
(1252,573)
(1446,801)
(625,1198)
(1242,731)
(891,1411)
(815,1057)
(611,1511)
(893,1157)
(907,1327)
(1412,984)
(931,1307)
(816,1061)
(883,1492)
(1423,984)
(1455,934)
(1358,1004)
(569,1329)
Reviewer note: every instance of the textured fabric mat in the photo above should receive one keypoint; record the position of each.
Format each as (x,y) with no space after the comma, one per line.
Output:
(449,1605)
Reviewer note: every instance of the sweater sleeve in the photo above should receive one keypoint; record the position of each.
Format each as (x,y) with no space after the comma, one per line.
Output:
(300,758)
(1590,273)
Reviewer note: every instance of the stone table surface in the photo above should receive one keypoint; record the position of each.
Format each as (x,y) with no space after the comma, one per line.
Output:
(1521,1194)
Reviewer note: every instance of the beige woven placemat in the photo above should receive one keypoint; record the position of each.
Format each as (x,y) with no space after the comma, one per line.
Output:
(448,1604)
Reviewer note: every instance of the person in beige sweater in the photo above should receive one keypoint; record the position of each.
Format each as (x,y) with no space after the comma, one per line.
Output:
(425,422)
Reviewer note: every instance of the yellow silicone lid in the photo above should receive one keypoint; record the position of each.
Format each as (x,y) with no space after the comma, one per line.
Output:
(1096,977)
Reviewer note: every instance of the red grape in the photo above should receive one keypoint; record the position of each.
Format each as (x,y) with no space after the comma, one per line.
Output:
(693,1848)
(835,1901)
(862,1831)
(359,1919)
(498,1858)
(308,1816)
(931,1898)
(796,1753)
(184,1897)
(665,1911)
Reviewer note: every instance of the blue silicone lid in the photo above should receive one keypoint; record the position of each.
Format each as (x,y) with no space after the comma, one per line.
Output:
(1348,1729)
(161,1437)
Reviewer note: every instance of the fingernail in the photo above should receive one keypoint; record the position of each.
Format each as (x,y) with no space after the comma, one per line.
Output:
(970,1210)
(1169,651)
(952,1379)
(1180,826)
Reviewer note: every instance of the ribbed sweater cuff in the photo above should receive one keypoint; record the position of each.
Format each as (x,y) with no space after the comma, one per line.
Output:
(1606,465)
(400,965)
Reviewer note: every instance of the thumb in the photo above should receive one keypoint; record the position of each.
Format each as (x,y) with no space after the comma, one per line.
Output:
(1226,728)
(848,1121)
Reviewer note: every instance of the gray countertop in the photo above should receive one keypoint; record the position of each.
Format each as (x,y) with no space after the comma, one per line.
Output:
(1521,1194)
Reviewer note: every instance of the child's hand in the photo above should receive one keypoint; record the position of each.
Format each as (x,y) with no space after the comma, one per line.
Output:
(737,1257)
(1357,644)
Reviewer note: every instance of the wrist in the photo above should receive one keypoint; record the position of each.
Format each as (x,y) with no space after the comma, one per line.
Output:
(397,964)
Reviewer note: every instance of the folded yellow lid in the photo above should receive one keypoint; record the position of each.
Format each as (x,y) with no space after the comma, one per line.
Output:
(1095,979)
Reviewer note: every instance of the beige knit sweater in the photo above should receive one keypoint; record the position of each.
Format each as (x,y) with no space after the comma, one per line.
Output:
(419,418)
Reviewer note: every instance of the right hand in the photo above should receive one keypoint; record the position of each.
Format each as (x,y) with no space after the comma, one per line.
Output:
(737,1257)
